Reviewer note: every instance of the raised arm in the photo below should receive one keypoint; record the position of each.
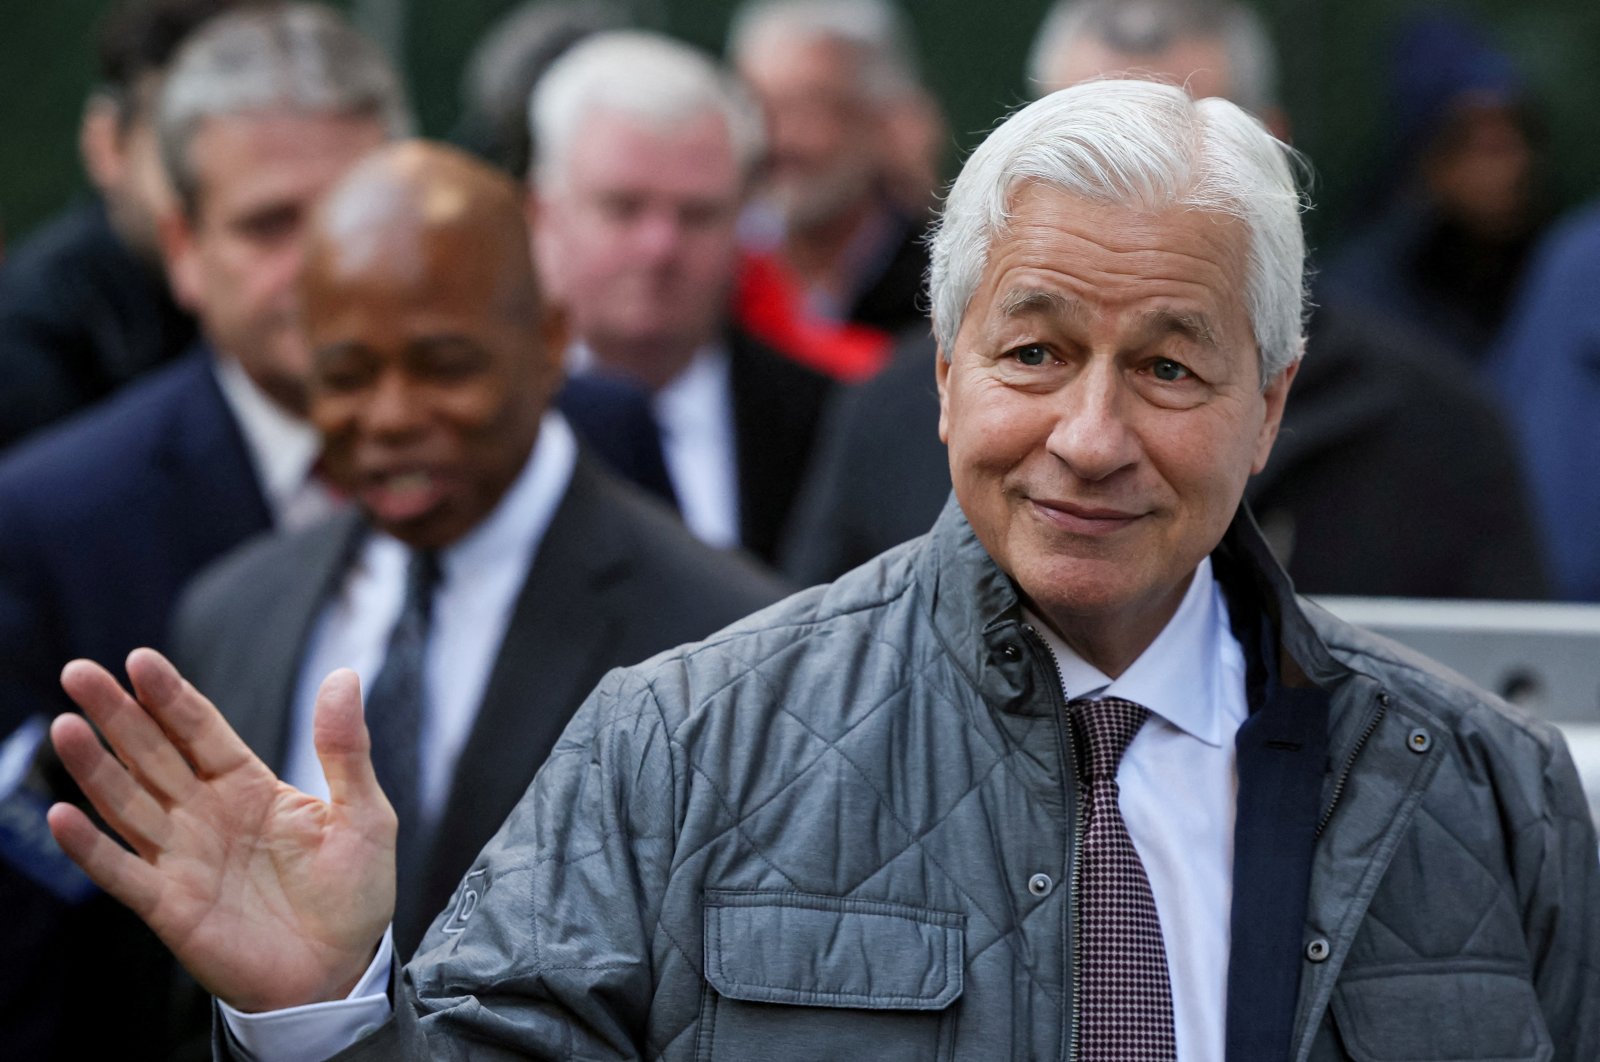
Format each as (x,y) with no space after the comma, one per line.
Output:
(269,897)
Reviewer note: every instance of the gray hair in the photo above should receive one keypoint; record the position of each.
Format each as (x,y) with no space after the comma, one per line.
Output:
(300,56)
(1147,27)
(1150,147)
(876,30)
(643,76)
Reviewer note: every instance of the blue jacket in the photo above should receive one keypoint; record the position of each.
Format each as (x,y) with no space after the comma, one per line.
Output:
(1547,371)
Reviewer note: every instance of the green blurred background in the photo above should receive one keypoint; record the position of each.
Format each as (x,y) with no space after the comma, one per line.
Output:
(1333,80)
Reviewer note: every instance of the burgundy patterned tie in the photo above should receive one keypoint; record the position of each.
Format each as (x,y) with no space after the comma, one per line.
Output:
(1125,1009)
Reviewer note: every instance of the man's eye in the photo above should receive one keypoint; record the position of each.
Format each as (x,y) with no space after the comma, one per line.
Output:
(1167,370)
(1032,354)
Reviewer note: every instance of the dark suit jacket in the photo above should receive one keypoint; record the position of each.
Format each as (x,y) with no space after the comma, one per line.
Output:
(616,579)
(893,299)
(102,520)
(80,315)
(777,404)
(879,476)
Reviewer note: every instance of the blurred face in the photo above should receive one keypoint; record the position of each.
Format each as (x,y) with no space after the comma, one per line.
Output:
(118,143)
(1103,409)
(636,237)
(428,382)
(824,134)
(1200,64)
(1481,172)
(235,261)
(144,196)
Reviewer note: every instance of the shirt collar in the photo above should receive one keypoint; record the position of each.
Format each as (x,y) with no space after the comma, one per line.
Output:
(681,405)
(282,447)
(1181,675)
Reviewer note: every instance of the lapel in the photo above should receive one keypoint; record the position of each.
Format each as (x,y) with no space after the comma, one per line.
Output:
(776,406)
(281,633)
(210,495)
(570,615)
(756,415)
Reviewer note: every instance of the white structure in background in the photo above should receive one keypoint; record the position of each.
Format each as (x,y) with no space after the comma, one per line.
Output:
(1541,656)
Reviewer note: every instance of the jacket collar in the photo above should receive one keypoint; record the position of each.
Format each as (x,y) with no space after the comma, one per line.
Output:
(977,611)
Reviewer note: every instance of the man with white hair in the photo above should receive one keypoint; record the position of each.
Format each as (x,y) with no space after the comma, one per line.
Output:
(848,118)
(1073,776)
(1356,445)
(644,150)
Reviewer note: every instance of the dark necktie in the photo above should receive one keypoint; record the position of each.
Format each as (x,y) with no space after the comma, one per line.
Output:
(395,711)
(1126,1000)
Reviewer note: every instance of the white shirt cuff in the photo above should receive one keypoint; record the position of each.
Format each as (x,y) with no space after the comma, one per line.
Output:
(316,1030)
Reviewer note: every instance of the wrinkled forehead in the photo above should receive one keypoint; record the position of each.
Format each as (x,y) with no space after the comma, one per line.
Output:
(1071,258)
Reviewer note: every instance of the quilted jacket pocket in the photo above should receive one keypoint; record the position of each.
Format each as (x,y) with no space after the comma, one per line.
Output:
(1428,1012)
(799,975)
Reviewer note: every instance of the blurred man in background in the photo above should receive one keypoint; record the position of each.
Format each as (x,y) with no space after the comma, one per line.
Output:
(1461,207)
(490,573)
(103,521)
(84,307)
(856,143)
(645,150)
(1394,475)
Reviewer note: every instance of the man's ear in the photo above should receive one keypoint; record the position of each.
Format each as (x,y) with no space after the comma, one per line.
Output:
(100,143)
(536,212)
(1275,395)
(555,332)
(941,376)
(175,231)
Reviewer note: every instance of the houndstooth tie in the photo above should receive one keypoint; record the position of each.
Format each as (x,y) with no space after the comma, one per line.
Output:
(1126,1002)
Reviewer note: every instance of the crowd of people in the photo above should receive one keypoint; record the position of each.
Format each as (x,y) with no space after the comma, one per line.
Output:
(664,338)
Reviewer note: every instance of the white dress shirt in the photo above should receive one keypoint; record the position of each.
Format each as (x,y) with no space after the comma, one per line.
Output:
(283,450)
(1178,786)
(694,413)
(481,576)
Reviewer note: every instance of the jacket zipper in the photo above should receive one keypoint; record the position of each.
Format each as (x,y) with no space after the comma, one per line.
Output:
(1350,761)
(1070,755)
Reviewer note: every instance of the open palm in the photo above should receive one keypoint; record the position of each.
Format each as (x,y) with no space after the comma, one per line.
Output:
(269,897)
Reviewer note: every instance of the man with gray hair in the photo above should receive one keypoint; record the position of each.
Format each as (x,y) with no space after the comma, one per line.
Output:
(644,150)
(1073,776)
(848,118)
(104,520)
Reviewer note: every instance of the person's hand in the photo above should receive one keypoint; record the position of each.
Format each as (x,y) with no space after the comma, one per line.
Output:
(269,897)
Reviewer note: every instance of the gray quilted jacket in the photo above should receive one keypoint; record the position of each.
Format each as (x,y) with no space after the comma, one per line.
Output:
(811,837)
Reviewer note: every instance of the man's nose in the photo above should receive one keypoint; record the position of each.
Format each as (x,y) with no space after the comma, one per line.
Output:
(1093,434)
(657,236)
(393,408)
